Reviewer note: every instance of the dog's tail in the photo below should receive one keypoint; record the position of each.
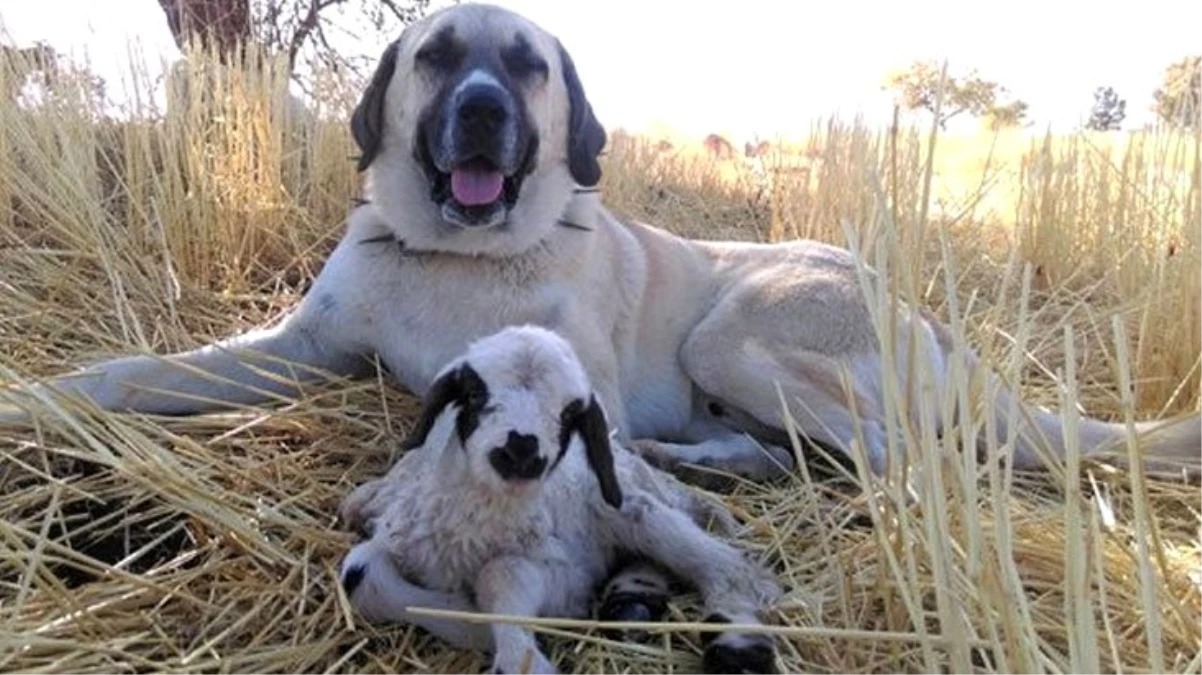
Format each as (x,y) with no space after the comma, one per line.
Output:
(1170,448)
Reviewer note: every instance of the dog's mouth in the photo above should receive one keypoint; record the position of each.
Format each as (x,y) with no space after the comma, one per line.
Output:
(475,191)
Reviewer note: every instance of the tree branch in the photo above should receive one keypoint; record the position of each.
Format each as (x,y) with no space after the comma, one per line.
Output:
(306,28)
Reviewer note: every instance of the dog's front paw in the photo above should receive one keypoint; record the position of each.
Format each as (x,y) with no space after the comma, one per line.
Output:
(530,660)
(637,594)
(737,652)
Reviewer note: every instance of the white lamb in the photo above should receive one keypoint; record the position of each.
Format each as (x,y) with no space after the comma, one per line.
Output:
(494,509)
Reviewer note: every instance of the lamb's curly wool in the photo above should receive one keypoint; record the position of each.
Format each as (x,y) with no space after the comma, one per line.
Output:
(498,505)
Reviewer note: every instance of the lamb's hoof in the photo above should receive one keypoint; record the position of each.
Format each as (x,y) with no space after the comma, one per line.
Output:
(737,652)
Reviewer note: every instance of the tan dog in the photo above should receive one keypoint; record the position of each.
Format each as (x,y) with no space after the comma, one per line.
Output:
(477,140)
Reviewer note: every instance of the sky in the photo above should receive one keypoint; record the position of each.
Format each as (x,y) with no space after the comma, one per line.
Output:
(760,67)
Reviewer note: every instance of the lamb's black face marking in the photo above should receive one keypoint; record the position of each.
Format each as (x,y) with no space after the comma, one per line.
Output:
(567,427)
(476,142)
(473,402)
(462,386)
(589,421)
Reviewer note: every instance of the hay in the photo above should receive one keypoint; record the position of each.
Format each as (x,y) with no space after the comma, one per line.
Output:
(140,543)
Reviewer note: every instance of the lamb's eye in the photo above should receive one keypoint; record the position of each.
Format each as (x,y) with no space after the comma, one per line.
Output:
(571,412)
(475,400)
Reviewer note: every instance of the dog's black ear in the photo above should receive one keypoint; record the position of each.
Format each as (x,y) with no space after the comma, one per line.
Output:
(367,122)
(593,428)
(586,136)
(443,392)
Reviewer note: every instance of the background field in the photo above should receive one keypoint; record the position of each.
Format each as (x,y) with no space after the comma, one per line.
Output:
(132,543)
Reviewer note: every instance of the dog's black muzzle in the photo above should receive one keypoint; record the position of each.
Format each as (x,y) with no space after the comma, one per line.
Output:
(476,150)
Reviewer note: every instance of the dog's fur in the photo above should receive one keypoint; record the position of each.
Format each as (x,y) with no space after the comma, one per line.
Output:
(686,341)
(514,491)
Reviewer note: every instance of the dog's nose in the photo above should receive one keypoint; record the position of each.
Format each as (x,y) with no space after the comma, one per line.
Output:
(483,108)
(518,458)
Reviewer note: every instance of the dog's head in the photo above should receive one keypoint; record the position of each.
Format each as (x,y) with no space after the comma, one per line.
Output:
(474,131)
(520,397)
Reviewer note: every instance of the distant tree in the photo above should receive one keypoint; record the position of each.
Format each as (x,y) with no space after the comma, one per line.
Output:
(51,74)
(301,29)
(38,62)
(1108,110)
(719,147)
(1006,116)
(1178,100)
(918,88)
(759,149)
(219,25)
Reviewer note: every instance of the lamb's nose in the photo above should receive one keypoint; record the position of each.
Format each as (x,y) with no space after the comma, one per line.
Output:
(518,458)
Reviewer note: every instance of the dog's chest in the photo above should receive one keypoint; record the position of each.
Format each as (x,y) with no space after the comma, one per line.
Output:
(426,311)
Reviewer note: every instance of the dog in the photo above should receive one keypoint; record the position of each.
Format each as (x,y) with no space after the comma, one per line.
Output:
(481,153)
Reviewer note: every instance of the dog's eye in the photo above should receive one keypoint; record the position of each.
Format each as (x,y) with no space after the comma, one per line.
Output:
(528,67)
(522,62)
(439,54)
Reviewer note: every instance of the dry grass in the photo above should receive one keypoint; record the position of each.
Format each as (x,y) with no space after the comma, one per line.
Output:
(209,543)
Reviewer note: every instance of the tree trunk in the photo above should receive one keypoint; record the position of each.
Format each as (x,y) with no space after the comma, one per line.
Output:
(214,24)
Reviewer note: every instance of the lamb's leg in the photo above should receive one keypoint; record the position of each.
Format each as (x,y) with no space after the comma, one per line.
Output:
(514,586)
(379,594)
(732,588)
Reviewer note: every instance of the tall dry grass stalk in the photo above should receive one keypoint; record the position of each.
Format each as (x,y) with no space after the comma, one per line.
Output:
(202,544)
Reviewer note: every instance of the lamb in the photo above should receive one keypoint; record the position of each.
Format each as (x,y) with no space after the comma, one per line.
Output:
(493,509)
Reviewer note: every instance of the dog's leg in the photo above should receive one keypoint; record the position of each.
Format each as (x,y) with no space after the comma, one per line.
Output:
(380,594)
(718,448)
(732,588)
(514,586)
(246,369)
(638,591)
(758,374)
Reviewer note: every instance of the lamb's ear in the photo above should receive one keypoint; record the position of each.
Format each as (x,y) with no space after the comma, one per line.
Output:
(586,136)
(593,428)
(443,392)
(367,121)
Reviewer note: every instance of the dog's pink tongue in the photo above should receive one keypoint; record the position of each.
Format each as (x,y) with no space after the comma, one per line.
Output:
(473,187)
